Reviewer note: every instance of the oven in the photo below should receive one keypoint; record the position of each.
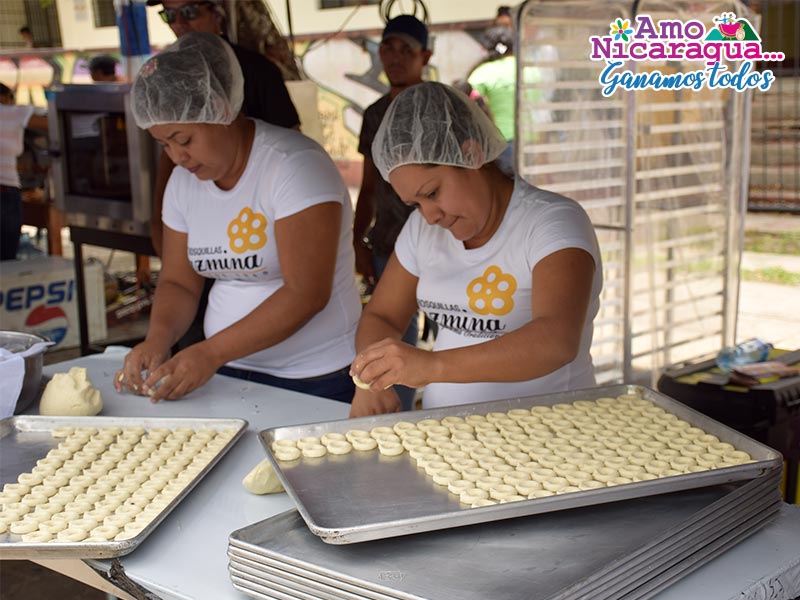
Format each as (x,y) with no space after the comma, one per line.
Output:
(103,165)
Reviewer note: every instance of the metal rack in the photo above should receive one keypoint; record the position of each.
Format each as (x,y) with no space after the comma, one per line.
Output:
(662,174)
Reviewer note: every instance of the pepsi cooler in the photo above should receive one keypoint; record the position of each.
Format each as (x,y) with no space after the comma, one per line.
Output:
(39,296)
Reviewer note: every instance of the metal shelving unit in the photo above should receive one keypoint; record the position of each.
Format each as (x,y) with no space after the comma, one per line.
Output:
(663,175)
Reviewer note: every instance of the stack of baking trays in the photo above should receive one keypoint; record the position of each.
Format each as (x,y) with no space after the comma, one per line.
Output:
(612,492)
(95,487)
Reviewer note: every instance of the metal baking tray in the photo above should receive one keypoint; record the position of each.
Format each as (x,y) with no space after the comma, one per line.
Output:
(673,574)
(753,498)
(26,439)
(258,567)
(365,495)
(629,568)
(626,572)
(558,555)
(262,585)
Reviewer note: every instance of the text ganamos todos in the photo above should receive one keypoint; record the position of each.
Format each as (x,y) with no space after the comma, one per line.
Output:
(715,76)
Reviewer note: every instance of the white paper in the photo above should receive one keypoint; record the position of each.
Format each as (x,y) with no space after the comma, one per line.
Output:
(37,348)
(12,373)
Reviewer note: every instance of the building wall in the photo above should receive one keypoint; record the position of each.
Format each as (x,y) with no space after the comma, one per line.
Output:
(345,67)
(309,19)
(79,33)
(12,17)
(348,74)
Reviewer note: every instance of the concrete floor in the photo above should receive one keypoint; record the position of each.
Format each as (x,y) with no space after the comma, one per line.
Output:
(24,580)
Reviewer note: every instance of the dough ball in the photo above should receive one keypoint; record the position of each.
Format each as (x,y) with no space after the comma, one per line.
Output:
(71,394)
(263,479)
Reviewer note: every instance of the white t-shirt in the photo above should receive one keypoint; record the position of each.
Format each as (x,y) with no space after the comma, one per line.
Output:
(231,238)
(13,121)
(480,294)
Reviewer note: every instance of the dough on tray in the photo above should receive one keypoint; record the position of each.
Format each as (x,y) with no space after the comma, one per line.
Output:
(528,454)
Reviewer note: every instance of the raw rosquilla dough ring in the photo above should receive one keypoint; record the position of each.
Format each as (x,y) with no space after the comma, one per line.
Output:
(72,534)
(327,438)
(446,477)
(340,447)
(354,434)
(37,536)
(391,448)
(459,485)
(24,526)
(360,383)
(483,502)
(285,454)
(280,444)
(363,444)
(471,495)
(314,451)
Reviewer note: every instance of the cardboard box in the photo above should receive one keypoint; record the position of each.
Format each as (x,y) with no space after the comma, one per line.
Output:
(38,296)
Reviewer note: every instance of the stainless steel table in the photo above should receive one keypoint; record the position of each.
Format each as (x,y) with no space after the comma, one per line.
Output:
(185,558)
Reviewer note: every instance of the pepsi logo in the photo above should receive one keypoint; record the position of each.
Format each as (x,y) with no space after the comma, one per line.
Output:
(48,321)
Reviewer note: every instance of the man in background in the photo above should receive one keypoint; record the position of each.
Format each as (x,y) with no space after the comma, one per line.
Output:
(13,121)
(27,36)
(404,53)
(504,17)
(103,68)
(496,81)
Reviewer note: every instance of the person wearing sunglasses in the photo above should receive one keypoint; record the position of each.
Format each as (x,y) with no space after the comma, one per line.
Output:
(188,12)
(265,98)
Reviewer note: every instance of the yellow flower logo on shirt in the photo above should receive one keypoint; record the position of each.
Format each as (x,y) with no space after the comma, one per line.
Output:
(248,231)
(492,293)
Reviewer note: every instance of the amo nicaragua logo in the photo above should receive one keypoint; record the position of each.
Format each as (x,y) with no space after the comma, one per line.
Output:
(729,39)
(48,321)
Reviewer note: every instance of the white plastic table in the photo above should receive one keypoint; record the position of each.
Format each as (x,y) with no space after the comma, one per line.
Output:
(185,557)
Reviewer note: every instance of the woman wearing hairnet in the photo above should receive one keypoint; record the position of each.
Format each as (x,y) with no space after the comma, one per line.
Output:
(260,209)
(510,273)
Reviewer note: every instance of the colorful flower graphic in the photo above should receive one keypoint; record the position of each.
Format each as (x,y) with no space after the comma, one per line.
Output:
(621,30)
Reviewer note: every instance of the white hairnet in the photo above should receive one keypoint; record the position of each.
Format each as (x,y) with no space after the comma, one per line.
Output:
(432,123)
(195,80)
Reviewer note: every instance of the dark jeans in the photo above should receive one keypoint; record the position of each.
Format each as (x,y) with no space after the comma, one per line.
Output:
(337,386)
(10,221)
(195,332)
(411,336)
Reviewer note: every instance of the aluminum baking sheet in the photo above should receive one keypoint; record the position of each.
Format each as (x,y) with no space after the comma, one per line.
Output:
(627,571)
(253,572)
(756,498)
(366,495)
(246,575)
(290,574)
(259,584)
(26,439)
(546,553)
(691,550)
(663,580)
